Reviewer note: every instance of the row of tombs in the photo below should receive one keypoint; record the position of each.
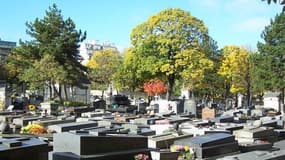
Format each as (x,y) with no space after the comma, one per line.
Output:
(103,135)
(81,145)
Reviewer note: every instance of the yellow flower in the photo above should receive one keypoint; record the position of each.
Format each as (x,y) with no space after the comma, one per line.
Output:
(186,148)
(33,129)
(32,107)
(173,148)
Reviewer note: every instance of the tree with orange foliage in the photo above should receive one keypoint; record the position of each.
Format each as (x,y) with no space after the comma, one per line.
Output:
(154,87)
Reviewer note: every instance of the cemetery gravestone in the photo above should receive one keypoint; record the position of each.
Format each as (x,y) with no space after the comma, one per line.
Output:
(49,108)
(260,155)
(224,119)
(89,147)
(190,106)
(165,140)
(23,121)
(164,155)
(23,148)
(208,113)
(53,121)
(72,126)
(211,145)
(250,135)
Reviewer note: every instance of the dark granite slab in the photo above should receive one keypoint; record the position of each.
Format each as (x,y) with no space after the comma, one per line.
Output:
(211,139)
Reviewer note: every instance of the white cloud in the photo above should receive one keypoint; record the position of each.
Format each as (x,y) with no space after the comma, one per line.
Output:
(252,25)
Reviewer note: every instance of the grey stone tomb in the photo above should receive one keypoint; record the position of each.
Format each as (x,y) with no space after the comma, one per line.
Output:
(23,148)
(211,145)
(84,146)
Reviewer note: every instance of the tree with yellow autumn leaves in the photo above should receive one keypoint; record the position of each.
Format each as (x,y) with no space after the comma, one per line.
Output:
(235,68)
(102,66)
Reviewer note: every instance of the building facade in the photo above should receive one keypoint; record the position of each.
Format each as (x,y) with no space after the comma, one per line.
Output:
(5,48)
(88,47)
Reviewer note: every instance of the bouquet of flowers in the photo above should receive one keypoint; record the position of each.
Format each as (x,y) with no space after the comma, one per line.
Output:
(33,129)
(185,151)
(141,157)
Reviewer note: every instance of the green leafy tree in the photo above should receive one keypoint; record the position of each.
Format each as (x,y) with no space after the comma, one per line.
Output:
(103,65)
(55,41)
(272,52)
(211,86)
(20,59)
(46,72)
(2,71)
(170,44)
(260,79)
(129,76)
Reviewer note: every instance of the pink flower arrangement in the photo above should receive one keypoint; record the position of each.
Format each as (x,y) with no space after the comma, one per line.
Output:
(179,148)
(141,157)
(185,151)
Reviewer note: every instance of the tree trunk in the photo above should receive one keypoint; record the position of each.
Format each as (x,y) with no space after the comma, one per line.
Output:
(65,93)
(149,99)
(57,93)
(248,96)
(59,90)
(171,80)
(281,101)
(132,93)
(248,87)
(227,90)
(50,91)
(23,88)
(72,92)
(111,95)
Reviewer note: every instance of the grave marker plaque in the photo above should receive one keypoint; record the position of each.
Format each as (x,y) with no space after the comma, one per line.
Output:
(208,113)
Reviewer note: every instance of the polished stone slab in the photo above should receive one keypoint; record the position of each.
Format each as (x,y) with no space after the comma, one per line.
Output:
(72,126)
(23,148)
(163,141)
(88,144)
